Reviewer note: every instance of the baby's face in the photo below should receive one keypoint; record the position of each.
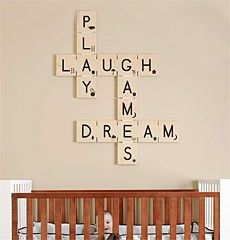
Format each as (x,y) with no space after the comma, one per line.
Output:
(108,224)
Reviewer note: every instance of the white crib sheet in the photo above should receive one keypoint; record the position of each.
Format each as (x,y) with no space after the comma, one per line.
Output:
(122,232)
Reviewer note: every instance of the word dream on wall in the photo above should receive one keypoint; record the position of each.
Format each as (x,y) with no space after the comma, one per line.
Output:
(87,65)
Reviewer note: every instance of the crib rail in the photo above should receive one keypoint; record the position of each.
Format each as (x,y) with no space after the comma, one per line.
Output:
(168,206)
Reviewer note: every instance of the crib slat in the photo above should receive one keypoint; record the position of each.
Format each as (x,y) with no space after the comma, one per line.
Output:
(130,218)
(179,210)
(29,218)
(154,213)
(63,210)
(43,207)
(201,218)
(158,217)
(58,218)
(15,219)
(39,209)
(116,216)
(187,217)
(86,218)
(173,218)
(72,218)
(167,211)
(216,218)
(51,210)
(144,218)
(109,205)
(100,204)
(121,210)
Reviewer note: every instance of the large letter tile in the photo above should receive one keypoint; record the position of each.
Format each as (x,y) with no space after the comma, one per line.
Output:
(86,87)
(127,153)
(86,21)
(86,43)
(168,131)
(127,64)
(66,65)
(147,65)
(127,109)
(127,87)
(86,65)
(86,131)
(107,131)
(127,131)
(148,131)
(107,64)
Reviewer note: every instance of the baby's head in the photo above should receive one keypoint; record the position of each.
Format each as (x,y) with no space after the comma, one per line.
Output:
(108,222)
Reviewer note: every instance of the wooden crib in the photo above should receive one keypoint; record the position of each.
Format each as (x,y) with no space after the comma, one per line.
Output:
(167,207)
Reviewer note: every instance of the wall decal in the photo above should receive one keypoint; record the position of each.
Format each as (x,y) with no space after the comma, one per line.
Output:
(87,65)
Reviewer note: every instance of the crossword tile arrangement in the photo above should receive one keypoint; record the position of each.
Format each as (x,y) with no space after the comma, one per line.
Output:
(87,65)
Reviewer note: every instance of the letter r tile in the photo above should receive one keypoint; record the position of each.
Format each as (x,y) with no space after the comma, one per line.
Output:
(107,131)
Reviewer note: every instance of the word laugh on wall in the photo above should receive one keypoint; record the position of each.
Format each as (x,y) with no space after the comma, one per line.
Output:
(86,66)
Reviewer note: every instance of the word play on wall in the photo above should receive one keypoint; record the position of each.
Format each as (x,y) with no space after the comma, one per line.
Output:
(87,65)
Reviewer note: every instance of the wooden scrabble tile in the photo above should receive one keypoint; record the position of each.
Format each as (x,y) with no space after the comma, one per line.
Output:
(147,65)
(66,65)
(86,21)
(168,131)
(148,131)
(127,153)
(127,64)
(127,109)
(127,87)
(86,87)
(86,65)
(107,131)
(127,131)
(86,131)
(86,43)
(107,64)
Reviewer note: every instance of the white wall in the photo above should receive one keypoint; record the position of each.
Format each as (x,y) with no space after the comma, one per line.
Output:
(224,208)
(1,76)
(191,39)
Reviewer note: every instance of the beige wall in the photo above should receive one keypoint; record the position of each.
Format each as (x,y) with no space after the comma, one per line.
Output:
(191,39)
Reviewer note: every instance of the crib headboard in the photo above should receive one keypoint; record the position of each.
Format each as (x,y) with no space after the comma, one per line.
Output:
(126,206)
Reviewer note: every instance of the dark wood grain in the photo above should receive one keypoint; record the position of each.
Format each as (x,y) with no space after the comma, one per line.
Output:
(58,218)
(86,218)
(167,213)
(201,218)
(100,203)
(157,208)
(43,207)
(14,218)
(216,218)
(130,218)
(144,218)
(116,216)
(29,219)
(51,210)
(187,217)
(173,217)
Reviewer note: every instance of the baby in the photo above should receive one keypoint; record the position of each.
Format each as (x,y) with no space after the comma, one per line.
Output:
(108,222)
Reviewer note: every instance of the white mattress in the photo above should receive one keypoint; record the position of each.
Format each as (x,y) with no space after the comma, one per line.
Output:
(122,232)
